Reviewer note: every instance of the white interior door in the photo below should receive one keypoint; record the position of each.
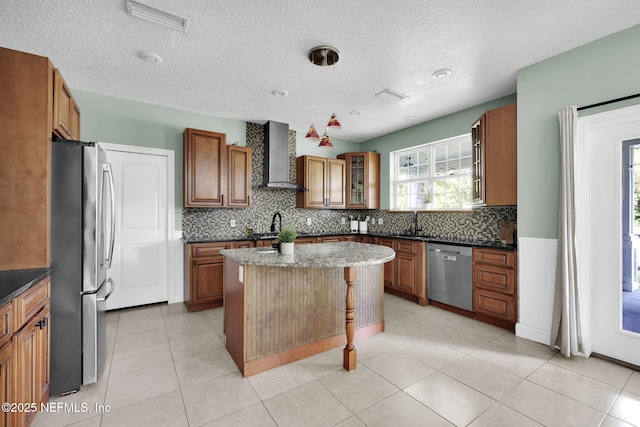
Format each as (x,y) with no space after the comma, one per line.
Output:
(140,259)
(598,184)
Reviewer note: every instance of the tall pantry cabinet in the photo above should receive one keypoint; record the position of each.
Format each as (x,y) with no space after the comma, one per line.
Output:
(36,103)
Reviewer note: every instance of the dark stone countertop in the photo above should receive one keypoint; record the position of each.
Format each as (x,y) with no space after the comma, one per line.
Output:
(15,282)
(495,244)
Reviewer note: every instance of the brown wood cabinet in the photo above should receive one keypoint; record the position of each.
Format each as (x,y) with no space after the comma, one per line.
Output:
(406,275)
(494,171)
(66,113)
(24,361)
(495,297)
(363,180)
(325,180)
(215,174)
(203,273)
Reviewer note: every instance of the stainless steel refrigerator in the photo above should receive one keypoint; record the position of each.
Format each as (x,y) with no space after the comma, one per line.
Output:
(82,236)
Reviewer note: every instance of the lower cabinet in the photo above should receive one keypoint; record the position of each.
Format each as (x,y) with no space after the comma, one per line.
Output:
(494,286)
(203,273)
(24,360)
(405,275)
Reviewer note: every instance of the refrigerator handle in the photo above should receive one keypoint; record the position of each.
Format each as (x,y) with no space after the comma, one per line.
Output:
(106,168)
(104,298)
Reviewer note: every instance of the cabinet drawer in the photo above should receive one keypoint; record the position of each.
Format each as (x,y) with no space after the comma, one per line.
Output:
(495,304)
(30,302)
(494,278)
(495,257)
(407,246)
(6,323)
(202,250)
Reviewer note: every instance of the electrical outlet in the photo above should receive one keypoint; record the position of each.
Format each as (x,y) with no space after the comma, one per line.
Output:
(380,221)
(308,221)
(343,220)
(233,223)
(373,221)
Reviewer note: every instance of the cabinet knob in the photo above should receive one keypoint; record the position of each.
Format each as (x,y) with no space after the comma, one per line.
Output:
(42,323)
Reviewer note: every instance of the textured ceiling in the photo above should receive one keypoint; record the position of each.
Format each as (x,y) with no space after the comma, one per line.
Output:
(237,52)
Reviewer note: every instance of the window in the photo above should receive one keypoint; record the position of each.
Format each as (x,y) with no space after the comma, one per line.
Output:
(433,176)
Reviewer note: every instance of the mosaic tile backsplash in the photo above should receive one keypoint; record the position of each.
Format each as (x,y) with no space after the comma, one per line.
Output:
(480,224)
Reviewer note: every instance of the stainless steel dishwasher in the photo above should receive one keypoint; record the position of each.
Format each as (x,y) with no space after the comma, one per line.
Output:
(449,275)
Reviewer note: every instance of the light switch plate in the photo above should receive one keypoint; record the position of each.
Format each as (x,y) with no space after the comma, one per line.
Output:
(308,221)
(380,221)
(343,220)
(233,222)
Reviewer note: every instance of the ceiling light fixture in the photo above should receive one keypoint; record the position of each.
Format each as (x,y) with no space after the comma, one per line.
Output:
(279,92)
(149,57)
(158,16)
(323,56)
(442,73)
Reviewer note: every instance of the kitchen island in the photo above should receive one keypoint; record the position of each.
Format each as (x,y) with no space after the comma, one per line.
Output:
(282,308)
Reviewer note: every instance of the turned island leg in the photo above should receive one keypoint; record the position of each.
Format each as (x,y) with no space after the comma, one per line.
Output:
(349,352)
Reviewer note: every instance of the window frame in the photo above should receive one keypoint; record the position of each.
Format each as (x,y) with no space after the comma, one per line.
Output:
(431,147)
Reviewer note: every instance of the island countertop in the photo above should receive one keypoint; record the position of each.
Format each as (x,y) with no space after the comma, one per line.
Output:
(319,255)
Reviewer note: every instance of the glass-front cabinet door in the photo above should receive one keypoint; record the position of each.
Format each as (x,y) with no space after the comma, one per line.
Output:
(363,180)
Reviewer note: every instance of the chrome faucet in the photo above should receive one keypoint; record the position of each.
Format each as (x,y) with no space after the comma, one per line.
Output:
(415,223)
(273,222)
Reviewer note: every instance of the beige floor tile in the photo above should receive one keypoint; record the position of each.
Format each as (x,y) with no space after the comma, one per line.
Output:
(324,363)
(633,385)
(585,390)
(72,408)
(166,410)
(253,416)
(351,422)
(480,329)
(192,328)
(310,404)
(370,347)
(521,345)
(200,346)
(456,402)
(444,317)
(462,340)
(152,311)
(177,313)
(394,335)
(550,408)
(199,368)
(135,360)
(358,389)
(481,376)
(91,422)
(278,380)
(627,408)
(128,325)
(141,385)
(113,316)
(138,340)
(398,368)
(598,369)
(501,416)
(610,421)
(400,409)
(210,400)
(431,353)
(508,360)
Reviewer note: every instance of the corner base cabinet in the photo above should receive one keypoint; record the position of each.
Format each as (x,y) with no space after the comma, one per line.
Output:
(203,273)
(495,297)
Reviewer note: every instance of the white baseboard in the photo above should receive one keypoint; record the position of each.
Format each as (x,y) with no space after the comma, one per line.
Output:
(536,286)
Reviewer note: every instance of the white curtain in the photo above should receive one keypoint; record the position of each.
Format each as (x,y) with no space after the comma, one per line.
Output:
(566,328)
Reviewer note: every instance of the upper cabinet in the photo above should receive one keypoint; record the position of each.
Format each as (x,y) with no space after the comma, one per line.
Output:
(30,104)
(66,113)
(325,180)
(215,175)
(494,171)
(363,180)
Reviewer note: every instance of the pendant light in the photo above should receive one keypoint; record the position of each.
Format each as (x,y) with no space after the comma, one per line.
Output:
(323,56)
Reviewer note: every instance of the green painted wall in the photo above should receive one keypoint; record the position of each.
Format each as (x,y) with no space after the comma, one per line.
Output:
(599,71)
(434,130)
(120,121)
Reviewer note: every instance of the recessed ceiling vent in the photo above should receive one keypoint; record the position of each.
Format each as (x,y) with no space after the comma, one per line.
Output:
(158,16)
(391,96)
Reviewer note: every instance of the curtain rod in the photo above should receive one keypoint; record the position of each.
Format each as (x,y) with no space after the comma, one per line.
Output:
(624,98)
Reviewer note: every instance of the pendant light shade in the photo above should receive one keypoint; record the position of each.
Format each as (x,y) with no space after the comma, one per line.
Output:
(312,134)
(334,123)
(325,142)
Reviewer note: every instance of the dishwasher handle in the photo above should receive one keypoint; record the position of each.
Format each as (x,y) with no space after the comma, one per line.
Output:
(445,252)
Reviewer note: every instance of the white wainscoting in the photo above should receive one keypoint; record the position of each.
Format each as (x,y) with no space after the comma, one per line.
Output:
(176,275)
(536,283)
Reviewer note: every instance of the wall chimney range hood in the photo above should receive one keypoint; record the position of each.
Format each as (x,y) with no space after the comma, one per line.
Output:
(276,156)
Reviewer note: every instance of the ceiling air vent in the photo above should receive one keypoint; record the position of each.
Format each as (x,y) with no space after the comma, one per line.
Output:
(390,95)
(158,16)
